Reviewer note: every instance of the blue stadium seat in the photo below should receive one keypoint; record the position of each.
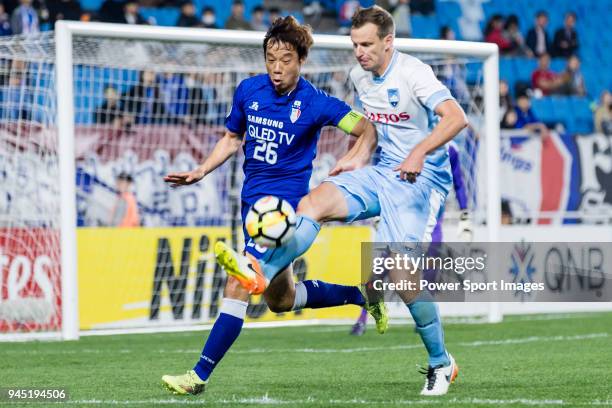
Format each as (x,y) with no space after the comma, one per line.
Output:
(582,115)
(544,110)
(167,16)
(562,110)
(424,26)
(91,5)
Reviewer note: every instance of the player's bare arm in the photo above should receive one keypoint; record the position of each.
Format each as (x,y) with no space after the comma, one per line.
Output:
(452,121)
(223,150)
(361,153)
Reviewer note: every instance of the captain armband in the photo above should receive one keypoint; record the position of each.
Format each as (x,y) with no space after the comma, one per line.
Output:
(349,121)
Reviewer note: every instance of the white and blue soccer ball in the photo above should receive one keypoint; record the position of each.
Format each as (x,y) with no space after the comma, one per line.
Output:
(271,222)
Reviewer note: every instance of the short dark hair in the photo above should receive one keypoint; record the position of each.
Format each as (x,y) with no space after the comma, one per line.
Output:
(125,176)
(377,16)
(288,30)
(541,13)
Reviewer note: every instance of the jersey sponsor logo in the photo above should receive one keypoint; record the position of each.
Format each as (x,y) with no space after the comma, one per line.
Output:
(254,105)
(258,120)
(383,117)
(394,97)
(295,111)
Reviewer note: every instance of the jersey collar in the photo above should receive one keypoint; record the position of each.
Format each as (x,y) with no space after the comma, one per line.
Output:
(381,79)
(289,96)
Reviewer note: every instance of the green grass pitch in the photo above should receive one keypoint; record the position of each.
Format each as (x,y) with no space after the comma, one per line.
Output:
(543,360)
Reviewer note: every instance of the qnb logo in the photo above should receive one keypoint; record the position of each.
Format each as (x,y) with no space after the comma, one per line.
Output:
(388,117)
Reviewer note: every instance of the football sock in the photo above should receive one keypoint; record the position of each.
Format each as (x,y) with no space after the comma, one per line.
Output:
(429,326)
(363,317)
(279,258)
(315,294)
(223,334)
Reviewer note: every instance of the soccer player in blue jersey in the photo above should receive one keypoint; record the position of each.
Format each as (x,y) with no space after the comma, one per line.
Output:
(407,188)
(280,115)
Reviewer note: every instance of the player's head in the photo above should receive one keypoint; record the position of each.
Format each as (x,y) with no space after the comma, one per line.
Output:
(372,33)
(286,46)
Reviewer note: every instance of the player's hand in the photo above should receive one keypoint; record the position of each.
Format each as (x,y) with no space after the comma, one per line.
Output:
(465,231)
(412,166)
(348,163)
(185,178)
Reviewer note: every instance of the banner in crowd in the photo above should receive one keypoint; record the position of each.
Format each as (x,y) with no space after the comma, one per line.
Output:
(555,174)
(147,277)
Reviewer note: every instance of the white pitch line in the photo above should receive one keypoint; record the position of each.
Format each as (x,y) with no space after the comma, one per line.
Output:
(267,400)
(478,343)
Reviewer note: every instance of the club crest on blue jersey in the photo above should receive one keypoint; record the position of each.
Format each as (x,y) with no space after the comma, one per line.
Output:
(295,111)
(393,95)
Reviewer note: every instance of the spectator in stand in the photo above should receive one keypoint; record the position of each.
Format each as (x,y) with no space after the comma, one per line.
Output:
(236,20)
(506,212)
(258,21)
(447,33)
(16,98)
(5,22)
(505,99)
(494,33)
(422,7)
(64,10)
(544,79)
(526,119)
(24,19)
(174,94)
(142,103)
(130,13)
(188,16)
(513,33)
(111,11)
(537,37)
(603,114)
(509,119)
(209,18)
(401,15)
(572,79)
(565,43)
(273,14)
(125,211)
(110,111)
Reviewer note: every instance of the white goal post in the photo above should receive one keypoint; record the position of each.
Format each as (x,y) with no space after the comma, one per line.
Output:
(66,31)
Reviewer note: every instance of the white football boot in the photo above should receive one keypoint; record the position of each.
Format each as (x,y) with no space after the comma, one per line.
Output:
(439,378)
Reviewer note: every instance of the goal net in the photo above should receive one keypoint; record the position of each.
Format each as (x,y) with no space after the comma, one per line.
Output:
(146,103)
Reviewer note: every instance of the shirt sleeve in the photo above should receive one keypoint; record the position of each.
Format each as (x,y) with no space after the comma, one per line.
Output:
(331,109)
(427,88)
(235,121)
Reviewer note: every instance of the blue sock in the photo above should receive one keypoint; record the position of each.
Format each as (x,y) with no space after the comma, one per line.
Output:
(279,258)
(315,294)
(223,334)
(429,326)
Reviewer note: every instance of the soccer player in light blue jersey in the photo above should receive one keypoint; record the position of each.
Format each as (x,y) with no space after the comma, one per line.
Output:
(407,188)
(280,115)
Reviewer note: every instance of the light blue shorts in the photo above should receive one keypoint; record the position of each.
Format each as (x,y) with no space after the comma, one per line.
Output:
(408,211)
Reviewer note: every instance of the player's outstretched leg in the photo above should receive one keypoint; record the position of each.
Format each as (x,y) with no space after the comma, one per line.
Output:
(244,268)
(313,294)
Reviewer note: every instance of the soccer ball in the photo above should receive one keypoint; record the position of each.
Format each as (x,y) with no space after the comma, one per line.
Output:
(271,222)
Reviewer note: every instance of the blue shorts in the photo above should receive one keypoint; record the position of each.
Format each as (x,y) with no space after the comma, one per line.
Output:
(408,211)
(250,246)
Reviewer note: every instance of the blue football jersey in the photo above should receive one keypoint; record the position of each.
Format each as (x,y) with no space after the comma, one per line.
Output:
(281,134)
